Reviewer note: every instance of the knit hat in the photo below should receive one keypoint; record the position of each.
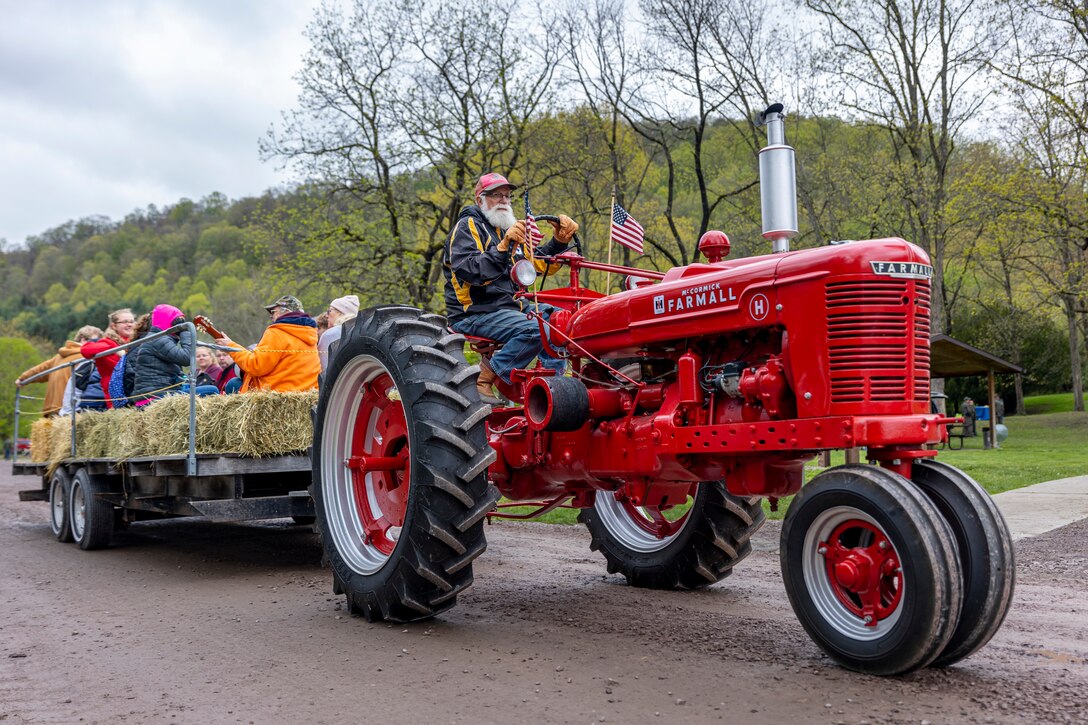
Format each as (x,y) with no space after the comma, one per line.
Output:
(347,305)
(163,316)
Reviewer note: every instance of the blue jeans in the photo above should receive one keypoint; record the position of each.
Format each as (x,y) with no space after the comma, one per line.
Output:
(519,335)
(201,390)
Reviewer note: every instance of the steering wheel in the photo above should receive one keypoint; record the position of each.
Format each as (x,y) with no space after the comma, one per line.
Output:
(575,242)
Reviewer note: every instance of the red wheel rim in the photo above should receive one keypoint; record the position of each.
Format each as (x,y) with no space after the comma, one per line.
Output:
(651,519)
(864,570)
(381,496)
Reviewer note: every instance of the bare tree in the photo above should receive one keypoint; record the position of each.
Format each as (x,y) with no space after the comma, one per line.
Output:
(915,69)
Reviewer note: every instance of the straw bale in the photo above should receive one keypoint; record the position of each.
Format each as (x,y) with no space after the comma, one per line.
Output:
(218,419)
(41,440)
(275,423)
(254,424)
(60,439)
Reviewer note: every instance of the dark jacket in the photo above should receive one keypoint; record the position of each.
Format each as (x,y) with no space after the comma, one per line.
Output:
(477,273)
(157,364)
(90,388)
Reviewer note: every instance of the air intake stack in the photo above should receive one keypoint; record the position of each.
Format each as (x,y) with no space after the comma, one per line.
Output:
(777,182)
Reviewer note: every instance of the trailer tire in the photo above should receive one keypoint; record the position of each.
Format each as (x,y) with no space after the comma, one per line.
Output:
(870,569)
(91,518)
(59,522)
(401,539)
(985,551)
(715,535)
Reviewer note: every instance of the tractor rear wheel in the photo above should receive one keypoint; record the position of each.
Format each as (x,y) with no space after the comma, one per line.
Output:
(985,552)
(400,461)
(690,552)
(871,571)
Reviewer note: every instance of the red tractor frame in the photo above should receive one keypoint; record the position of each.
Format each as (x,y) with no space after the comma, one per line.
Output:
(691,396)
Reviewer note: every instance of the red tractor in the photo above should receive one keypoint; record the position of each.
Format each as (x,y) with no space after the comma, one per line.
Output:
(694,394)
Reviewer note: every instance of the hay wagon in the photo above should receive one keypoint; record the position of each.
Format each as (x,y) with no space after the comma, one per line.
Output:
(182,456)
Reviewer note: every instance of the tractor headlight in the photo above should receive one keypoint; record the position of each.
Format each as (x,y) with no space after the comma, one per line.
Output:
(523,273)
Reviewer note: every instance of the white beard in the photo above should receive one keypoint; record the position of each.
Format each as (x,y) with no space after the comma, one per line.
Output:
(499,217)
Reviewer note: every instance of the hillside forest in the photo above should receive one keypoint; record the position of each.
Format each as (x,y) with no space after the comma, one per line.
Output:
(958,125)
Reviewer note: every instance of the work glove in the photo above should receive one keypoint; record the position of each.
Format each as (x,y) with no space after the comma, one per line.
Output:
(514,235)
(565,228)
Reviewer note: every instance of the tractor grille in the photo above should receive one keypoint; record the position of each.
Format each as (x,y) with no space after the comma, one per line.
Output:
(878,340)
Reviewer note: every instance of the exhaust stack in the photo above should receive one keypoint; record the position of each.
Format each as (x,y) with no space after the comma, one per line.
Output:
(777,182)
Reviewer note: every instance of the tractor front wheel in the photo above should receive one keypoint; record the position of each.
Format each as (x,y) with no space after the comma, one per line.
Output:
(691,551)
(400,463)
(871,570)
(985,552)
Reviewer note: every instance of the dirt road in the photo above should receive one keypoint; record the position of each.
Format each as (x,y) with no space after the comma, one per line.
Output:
(183,621)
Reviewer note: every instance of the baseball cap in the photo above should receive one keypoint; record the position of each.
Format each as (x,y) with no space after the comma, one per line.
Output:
(287,302)
(491,181)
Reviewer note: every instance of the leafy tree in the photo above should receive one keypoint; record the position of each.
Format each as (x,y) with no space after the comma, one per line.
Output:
(16,355)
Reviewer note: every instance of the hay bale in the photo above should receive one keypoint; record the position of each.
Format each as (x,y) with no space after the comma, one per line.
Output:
(218,418)
(124,432)
(60,439)
(95,431)
(40,440)
(166,426)
(275,423)
(130,442)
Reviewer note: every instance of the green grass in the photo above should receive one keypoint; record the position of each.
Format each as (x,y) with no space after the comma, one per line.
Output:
(1056,403)
(1039,448)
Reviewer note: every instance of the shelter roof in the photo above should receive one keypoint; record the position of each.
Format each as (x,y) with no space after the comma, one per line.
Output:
(950,358)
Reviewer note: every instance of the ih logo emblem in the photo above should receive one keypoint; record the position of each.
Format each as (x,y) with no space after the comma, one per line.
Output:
(759,307)
(659,305)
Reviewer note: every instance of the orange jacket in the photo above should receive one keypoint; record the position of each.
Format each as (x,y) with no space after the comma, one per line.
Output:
(58,381)
(284,360)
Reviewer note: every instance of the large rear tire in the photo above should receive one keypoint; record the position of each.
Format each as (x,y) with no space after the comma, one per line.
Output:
(400,461)
(59,522)
(91,518)
(871,570)
(985,553)
(691,552)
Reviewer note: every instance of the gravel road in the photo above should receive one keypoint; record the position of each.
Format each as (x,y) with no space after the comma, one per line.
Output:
(183,621)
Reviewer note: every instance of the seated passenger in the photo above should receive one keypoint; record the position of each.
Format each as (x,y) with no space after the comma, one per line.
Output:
(228,380)
(286,357)
(153,369)
(479,292)
(121,329)
(340,311)
(56,382)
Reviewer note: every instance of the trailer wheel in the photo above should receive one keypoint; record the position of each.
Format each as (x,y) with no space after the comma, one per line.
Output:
(59,522)
(91,517)
(871,570)
(985,553)
(690,552)
(400,461)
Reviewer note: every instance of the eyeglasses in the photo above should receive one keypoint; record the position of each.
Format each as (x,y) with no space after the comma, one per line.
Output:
(272,312)
(500,195)
(125,322)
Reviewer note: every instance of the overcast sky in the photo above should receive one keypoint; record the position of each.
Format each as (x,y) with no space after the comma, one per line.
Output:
(107,106)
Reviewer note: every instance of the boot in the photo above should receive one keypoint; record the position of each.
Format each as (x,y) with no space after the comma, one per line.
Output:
(483,386)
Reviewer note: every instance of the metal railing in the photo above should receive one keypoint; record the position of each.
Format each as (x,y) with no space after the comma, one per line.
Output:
(191,456)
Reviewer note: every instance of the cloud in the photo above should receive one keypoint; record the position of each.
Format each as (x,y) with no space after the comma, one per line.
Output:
(109,106)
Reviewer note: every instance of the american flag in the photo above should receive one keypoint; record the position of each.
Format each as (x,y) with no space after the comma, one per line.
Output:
(535,235)
(626,230)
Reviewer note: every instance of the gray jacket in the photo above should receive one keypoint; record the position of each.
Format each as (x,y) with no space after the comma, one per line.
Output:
(157,364)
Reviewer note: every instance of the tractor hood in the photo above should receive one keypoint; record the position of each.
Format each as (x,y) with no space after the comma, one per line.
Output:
(701,300)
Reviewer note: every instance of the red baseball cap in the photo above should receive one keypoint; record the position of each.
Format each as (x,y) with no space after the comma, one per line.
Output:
(491,181)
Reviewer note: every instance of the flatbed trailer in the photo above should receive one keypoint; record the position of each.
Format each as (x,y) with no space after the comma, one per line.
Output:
(89,497)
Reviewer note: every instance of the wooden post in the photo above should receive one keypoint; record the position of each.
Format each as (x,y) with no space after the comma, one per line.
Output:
(853,455)
(993,410)
(824,459)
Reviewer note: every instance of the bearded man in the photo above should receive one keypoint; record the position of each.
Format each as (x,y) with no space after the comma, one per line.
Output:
(479,292)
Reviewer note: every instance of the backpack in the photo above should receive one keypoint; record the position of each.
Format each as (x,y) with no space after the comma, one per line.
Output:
(82,376)
(117,384)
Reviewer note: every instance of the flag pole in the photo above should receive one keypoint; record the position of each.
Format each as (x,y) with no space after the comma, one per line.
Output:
(611,211)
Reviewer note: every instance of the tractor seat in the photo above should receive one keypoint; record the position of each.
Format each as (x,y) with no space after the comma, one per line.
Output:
(483,345)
